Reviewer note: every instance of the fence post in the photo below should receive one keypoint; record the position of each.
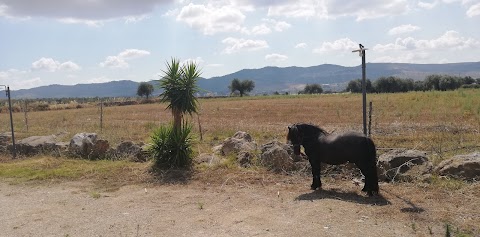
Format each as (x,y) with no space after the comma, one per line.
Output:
(25,113)
(370,118)
(200,127)
(11,123)
(101,115)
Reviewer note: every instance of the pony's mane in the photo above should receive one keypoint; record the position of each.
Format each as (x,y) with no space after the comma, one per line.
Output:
(317,129)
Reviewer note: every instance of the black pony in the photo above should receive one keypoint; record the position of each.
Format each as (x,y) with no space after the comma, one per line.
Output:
(334,149)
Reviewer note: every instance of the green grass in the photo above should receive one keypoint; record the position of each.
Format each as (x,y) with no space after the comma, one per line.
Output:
(49,168)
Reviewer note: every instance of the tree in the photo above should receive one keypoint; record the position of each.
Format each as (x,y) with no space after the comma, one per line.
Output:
(241,86)
(180,85)
(432,82)
(145,89)
(355,86)
(312,89)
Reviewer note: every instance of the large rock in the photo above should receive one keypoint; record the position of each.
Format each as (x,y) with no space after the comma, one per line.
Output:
(465,167)
(403,165)
(4,141)
(86,145)
(131,151)
(241,141)
(35,145)
(277,156)
(241,145)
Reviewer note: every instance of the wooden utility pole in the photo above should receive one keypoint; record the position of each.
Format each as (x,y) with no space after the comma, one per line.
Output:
(7,90)
(361,53)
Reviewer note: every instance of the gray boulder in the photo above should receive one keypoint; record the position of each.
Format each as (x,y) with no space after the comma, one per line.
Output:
(4,141)
(241,141)
(403,165)
(277,156)
(86,145)
(35,145)
(241,145)
(465,167)
(131,151)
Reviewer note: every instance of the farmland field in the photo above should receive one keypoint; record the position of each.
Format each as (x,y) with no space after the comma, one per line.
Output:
(439,122)
(126,200)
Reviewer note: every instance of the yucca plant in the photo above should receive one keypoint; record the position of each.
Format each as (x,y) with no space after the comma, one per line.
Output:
(172,145)
(180,85)
(172,148)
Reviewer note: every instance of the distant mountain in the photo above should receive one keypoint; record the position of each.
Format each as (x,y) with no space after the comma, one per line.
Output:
(267,79)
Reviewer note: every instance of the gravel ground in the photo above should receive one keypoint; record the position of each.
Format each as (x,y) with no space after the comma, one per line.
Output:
(202,209)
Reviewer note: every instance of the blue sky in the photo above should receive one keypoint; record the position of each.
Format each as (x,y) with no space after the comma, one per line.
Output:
(69,42)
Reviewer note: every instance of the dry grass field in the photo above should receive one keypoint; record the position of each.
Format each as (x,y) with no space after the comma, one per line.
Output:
(441,123)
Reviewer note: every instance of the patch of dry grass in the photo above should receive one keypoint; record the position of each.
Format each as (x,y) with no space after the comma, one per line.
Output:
(443,123)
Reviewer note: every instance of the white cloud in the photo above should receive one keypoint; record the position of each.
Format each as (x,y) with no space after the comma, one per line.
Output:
(331,9)
(197,60)
(135,19)
(276,57)
(18,79)
(45,64)
(50,65)
(261,30)
(266,27)
(278,26)
(97,10)
(235,45)
(411,50)
(299,9)
(133,53)
(211,20)
(69,66)
(474,10)
(120,61)
(427,5)
(301,45)
(91,23)
(403,29)
(448,41)
(408,57)
(344,44)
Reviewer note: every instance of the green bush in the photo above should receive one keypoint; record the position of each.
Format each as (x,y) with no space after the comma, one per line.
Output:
(172,148)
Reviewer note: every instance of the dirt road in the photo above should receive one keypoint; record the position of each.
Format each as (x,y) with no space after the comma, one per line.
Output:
(230,209)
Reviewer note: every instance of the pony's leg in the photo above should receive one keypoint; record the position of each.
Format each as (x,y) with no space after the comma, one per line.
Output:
(367,172)
(316,182)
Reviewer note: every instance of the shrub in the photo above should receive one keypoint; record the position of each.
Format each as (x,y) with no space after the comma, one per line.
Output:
(172,148)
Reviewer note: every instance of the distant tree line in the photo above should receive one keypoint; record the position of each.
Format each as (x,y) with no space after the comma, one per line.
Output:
(432,82)
(312,89)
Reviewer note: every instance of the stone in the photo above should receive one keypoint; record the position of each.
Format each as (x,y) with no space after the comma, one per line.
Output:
(277,156)
(35,145)
(131,151)
(86,145)
(241,141)
(466,167)
(403,165)
(99,149)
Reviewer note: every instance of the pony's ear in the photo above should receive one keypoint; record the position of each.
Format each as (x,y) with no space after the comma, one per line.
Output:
(289,127)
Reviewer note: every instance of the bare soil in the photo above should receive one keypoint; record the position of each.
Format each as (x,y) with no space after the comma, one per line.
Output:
(236,205)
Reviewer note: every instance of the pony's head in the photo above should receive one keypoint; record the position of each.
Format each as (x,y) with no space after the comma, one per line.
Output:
(295,137)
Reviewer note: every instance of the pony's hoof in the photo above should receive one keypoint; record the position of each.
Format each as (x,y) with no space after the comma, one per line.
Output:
(315,187)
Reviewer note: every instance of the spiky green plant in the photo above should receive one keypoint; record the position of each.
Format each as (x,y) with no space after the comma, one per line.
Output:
(180,85)
(172,148)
